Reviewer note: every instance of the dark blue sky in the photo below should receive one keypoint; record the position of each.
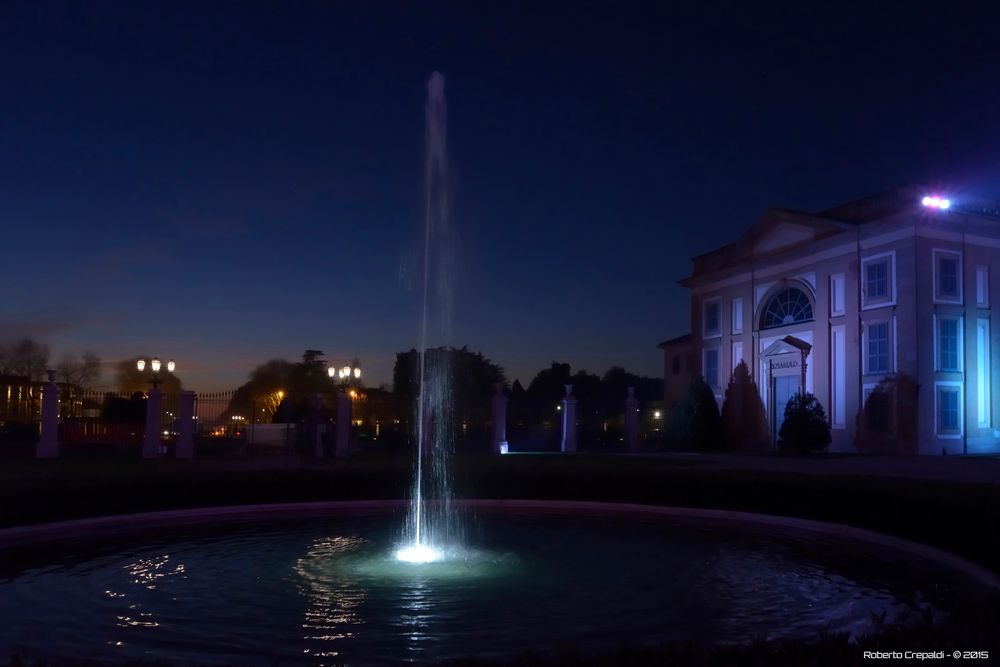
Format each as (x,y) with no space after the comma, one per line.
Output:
(228,182)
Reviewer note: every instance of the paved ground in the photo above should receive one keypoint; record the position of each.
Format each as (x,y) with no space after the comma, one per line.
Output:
(981,469)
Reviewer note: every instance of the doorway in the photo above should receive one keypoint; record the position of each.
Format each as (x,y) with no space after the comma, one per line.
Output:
(782,389)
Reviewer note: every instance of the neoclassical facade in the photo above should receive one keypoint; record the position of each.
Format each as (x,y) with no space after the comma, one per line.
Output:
(892,291)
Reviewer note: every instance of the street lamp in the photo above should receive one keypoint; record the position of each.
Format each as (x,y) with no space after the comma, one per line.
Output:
(346,373)
(155,365)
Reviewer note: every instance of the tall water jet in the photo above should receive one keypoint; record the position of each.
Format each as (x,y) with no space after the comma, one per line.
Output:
(431,526)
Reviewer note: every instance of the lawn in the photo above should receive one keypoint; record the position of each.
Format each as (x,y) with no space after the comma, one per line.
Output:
(960,517)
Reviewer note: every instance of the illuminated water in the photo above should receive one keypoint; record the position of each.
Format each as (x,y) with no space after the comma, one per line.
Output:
(328,591)
(431,527)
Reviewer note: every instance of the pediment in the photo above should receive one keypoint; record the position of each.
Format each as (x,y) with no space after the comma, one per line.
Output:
(786,345)
(783,235)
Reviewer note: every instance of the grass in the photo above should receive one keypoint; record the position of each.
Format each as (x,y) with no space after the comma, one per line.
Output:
(960,517)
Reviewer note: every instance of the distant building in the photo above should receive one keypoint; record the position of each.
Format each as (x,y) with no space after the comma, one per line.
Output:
(678,369)
(882,307)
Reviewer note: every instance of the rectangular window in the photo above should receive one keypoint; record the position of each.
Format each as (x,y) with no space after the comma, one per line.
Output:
(712,324)
(877,280)
(837,295)
(676,366)
(948,331)
(983,286)
(948,412)
(712,368)
(737,353)
(877,353)
(737,316)
(947,276)
(878,286)
(838,376)
(983,373)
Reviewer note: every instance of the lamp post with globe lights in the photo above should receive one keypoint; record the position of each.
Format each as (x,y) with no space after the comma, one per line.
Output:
(346,374)
(151,448)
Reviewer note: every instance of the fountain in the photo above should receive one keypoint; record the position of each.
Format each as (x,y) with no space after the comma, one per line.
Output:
(432,530)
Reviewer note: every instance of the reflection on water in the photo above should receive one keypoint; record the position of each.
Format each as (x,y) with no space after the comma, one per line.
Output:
(333,596)
(328,592)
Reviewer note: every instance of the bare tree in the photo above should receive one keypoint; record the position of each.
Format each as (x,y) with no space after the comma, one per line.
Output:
(25,357)
(83,371)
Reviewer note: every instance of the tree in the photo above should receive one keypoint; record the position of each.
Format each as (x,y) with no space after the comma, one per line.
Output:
(888,421)
(131,380)
(743,419)
(82,372)
(805,428)
(696,422)
(465,380)
(26,357)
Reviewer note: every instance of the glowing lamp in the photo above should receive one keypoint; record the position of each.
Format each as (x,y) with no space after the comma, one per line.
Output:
(936,202)
(357,373)
(155,364)
(331,371)
(171,366)
(141,365)
(346,370)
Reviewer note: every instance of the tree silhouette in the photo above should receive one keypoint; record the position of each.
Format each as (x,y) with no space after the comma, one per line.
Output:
(696,423)
(805,428)
(744,421)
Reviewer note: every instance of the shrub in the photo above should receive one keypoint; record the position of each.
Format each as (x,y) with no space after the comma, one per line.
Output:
(744,423)
(888,421)
(696,423)
(805,428)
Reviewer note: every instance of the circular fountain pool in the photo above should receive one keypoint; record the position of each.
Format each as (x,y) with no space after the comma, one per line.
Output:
(331,590)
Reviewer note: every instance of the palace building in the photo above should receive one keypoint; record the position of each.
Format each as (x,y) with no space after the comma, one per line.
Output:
(884,308)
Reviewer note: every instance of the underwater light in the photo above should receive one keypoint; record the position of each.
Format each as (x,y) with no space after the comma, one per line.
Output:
(418,553)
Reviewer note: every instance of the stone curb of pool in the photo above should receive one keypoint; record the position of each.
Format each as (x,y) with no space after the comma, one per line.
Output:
(21,536)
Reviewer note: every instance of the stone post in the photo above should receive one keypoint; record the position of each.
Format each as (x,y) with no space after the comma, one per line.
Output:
(343,424)
(500,421)
(48,440)
(185,427)
(317,427)
(151,439)
(632,421)
(569,421)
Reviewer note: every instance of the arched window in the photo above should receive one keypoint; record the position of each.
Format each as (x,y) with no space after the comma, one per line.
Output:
(788,306)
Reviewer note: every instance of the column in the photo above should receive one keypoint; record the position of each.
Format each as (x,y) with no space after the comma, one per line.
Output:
(569,421)
(48,441)
(185,427)
(632,421)
(500,421)
(343,424)
(151,440)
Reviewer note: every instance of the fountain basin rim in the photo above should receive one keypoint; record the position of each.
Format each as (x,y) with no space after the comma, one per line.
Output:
(104,526)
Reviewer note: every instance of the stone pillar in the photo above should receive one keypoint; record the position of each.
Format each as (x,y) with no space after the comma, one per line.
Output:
(185,427)
(316,428)
(632,421)
(48,440)
(343,424)
(500,421)
(569,421)
(151,439)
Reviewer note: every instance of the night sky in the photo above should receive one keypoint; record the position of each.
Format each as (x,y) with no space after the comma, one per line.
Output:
(224,183)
